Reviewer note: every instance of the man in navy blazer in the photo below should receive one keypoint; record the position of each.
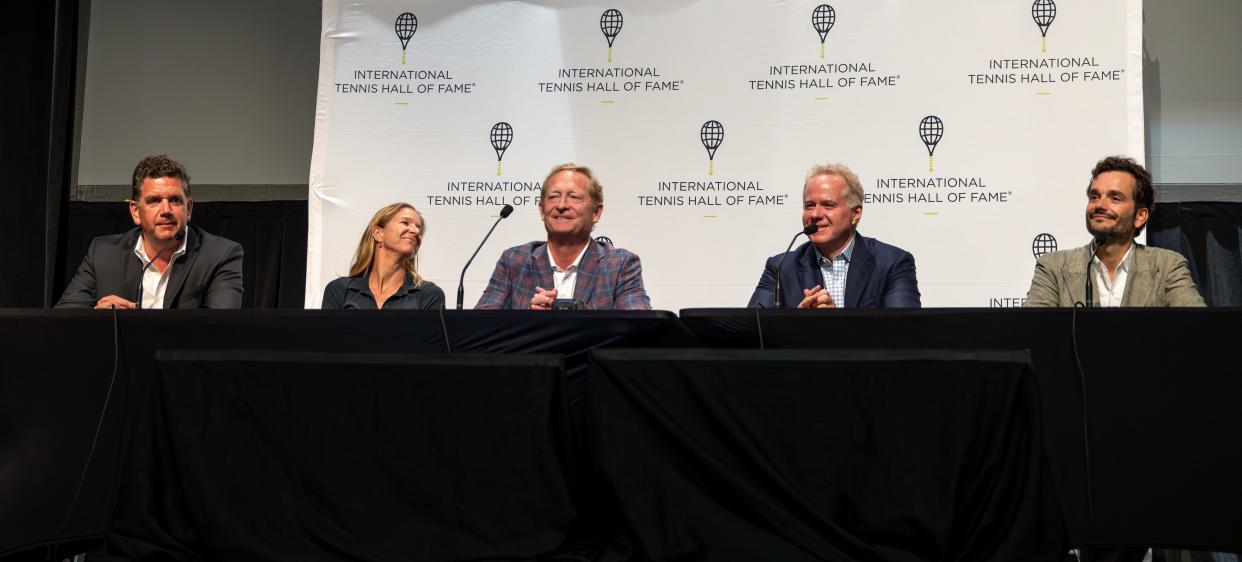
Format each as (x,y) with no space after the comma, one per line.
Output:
(569,267)
(838,268)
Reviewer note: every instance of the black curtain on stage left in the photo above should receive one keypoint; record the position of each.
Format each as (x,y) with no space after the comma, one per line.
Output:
(1209,234)
(272,233)
(39,41)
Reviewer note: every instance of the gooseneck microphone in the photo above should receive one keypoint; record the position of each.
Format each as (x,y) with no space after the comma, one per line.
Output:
(807,230)
(461,288)
(1095,249)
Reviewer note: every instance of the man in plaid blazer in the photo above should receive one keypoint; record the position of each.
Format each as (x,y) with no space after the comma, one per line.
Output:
(569,267)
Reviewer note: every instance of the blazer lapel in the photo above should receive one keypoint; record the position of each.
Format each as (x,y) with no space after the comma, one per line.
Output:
(131,267)
(1076,276)
(862,263)
(541,273)
(588,271)
(807,275)
(1140,280)
(181,269)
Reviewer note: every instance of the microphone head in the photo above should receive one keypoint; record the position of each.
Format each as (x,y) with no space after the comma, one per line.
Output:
(506,211)
(810,229)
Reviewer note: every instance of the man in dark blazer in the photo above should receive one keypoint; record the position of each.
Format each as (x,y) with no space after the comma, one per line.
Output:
(569,267)
(163,262)
(838,267)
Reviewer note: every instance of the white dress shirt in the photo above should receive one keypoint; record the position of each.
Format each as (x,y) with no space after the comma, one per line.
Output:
(563,280)
(154,283)
(1112,290)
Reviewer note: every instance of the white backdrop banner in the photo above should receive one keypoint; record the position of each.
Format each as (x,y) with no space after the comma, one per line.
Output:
(972,124)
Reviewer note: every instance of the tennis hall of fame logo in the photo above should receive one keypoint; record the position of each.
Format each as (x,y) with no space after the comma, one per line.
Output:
(710,190)
(489,191)
(1043,243)
(821,75)
(402,79)
(1043,71)
(930,191)
(606,79)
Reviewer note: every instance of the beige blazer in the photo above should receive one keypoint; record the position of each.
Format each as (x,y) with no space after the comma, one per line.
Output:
(1158,278)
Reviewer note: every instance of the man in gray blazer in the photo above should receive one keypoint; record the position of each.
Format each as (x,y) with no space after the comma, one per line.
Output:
(1122,272)
(163,262)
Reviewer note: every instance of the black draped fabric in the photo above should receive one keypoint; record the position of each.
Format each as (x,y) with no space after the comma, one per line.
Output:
(311,456)
(802,455)
(1210,236)
(50,396)
(39,40)
(272,233)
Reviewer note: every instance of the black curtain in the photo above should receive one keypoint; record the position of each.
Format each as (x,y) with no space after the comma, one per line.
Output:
(805,455)
(272,233)
(1209,235)
(39,39)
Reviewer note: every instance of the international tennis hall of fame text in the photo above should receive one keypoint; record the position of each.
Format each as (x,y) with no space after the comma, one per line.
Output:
(610,80)
(1043,71)
(404,82)
(823,76)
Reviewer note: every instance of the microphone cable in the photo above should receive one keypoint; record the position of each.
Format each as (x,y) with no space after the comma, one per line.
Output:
(444,328)
(1086,434)
(90,456)
(759,326)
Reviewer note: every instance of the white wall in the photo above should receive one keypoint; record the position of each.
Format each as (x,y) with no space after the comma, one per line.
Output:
(1193,90)
(226,87)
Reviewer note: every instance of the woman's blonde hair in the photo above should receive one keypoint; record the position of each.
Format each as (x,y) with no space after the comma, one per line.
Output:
(364,256)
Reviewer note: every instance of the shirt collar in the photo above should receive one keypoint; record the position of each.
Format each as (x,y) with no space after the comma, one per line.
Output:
(141,251)
(847,253)
(364,285)
(1126,260)
(576,265)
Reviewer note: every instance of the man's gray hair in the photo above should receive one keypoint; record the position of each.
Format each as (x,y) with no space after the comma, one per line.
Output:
(854,188)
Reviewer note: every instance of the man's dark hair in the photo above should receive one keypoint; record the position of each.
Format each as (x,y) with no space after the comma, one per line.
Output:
(158,166)
(1144,194)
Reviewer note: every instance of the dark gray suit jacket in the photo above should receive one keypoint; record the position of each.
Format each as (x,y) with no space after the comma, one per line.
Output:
(207,275)
(1158,277)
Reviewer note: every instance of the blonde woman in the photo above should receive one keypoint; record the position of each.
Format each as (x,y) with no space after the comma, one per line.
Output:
(383,274)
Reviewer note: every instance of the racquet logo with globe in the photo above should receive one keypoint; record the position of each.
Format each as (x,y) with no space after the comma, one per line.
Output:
(822,19)
(1042,244)
(931,128)
(610,23)
(712,134)
(1043,12)
(502,135)
(405,27)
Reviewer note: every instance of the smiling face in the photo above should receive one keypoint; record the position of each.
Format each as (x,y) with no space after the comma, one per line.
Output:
(825,203)
(402,235)
(1111,209)
(162,210)
(568,210)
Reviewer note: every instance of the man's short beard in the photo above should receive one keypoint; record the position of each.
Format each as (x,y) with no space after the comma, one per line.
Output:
(1111,235)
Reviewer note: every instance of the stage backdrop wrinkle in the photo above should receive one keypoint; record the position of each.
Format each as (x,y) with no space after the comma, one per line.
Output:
(972,126)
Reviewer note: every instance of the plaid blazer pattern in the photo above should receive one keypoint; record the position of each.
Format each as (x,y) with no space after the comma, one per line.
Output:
(608,278)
